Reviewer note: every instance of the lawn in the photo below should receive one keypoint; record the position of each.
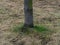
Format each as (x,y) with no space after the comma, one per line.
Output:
(46,23)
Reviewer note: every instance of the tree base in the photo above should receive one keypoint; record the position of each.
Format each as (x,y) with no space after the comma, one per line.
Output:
(25,27)
(29,26)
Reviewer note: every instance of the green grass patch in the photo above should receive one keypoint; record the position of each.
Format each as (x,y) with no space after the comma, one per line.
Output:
(37,28)
(17,28)
(43,30)
(38,31)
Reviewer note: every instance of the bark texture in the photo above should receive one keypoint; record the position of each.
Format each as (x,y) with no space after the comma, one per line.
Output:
(28,10)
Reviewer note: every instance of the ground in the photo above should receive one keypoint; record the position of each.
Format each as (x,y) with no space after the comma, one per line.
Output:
(46,12)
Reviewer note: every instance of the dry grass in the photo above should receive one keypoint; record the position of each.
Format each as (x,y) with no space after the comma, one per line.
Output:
(46,12)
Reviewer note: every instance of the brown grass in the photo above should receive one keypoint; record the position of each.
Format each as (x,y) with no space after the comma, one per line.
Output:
(46,12)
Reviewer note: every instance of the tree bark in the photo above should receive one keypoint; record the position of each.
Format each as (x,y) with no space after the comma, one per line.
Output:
(28,11)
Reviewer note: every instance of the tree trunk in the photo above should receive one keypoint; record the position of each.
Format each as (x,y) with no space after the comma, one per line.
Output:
(28,11)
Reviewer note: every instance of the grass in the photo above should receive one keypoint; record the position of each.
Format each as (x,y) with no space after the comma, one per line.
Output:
(43,31)
(40,31)
(37,28)
(17,28)
(40,28)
